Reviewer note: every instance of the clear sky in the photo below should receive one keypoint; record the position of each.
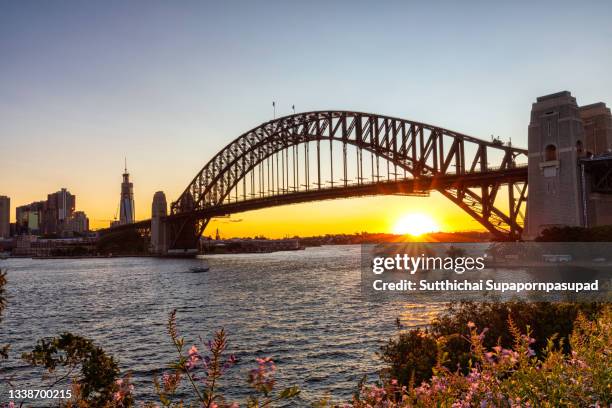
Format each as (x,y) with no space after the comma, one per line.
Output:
(168,84)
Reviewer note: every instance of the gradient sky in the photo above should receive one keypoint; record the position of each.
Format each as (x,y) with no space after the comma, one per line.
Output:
(168,84)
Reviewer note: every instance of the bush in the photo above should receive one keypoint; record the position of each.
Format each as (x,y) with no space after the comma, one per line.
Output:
(99,381)
(576,234)
(513,377)
(411,355)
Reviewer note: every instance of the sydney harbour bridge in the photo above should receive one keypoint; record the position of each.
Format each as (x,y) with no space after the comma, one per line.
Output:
(325,155)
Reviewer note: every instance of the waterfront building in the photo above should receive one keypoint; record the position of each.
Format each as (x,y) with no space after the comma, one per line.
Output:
(23,245)
(33,246)
(126,205)
(29,218)
(78,223)
(5,214)
(58,209)
(50,217)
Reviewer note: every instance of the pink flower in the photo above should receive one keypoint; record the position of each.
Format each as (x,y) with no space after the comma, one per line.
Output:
(263,360)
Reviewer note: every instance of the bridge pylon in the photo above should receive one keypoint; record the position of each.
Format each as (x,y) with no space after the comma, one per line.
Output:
(557,141)
(159,228)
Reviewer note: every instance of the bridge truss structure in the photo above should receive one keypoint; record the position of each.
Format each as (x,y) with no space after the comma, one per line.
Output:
(338,154)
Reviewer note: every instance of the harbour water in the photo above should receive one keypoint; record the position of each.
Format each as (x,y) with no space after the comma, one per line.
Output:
(303,309)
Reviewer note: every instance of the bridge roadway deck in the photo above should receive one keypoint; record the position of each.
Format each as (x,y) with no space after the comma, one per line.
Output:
(419,187)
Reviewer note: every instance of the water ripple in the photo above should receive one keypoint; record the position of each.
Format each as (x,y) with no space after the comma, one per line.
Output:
(303,309)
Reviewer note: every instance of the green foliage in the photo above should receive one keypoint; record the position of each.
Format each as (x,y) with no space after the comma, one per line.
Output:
(514,377)
(99,373)
(545,318)
(576,234)
(412,356)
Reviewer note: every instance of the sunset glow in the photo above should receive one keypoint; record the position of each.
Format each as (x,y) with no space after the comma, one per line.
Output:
(415,225)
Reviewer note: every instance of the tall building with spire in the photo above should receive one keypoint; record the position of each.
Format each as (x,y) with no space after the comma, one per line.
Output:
(126,205)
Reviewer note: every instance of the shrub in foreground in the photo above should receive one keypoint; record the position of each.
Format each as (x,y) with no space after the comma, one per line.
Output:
(98,382)
(411,354)
(513,377)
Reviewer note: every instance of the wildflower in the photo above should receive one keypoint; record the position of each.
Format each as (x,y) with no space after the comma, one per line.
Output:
(193,359)
(117,396)
(482,334)
(262,377)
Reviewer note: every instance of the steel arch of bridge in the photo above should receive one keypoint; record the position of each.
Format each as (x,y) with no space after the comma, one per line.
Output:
(444,160)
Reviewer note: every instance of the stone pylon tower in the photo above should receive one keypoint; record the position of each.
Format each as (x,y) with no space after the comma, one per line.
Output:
(556,141)
(126,205)
(159,236)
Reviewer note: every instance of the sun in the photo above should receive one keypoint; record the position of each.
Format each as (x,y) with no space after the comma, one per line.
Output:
(415,225)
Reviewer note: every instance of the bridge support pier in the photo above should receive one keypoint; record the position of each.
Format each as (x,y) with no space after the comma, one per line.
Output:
(175,238)
(159,228)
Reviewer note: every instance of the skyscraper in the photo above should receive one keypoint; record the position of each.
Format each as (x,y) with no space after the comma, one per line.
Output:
(126,205)
(78,223)
(58,209)
(29,218)
(5,213)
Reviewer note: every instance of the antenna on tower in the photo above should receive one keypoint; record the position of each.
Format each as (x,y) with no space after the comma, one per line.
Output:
(125,164)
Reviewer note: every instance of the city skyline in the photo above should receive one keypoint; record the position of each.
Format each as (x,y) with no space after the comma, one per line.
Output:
(125,86)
